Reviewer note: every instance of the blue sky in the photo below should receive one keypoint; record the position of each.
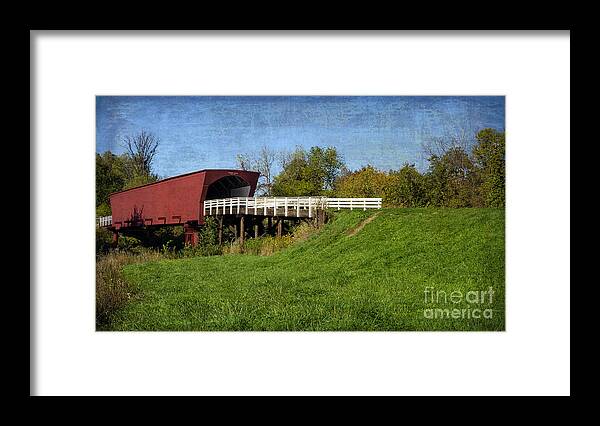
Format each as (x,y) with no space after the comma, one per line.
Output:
(202,132)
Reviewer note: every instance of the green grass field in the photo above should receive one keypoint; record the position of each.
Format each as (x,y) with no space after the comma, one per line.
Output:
(404,270)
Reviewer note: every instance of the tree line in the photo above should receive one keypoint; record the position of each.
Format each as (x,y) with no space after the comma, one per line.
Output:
(457,175)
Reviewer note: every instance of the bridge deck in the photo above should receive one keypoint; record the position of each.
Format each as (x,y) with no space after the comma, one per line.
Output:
(275,206)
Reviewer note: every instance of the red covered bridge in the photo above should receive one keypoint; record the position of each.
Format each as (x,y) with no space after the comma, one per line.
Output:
(177,200)
(226,194)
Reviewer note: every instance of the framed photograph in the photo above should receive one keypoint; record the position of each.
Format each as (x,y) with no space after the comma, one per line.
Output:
(301,213)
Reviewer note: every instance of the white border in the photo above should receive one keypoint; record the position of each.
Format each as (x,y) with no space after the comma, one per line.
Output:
(531,357)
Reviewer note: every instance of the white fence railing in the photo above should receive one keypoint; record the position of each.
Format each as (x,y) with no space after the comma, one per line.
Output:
(104,221)
(287,205)
(353,203)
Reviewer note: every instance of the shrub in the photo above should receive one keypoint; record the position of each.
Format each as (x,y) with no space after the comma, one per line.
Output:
(130,244)
(208,235)
(103,241)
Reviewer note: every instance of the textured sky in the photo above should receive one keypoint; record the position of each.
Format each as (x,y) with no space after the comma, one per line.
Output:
(201,132)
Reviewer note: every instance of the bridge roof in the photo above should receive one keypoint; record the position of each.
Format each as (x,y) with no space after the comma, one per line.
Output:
(183,175)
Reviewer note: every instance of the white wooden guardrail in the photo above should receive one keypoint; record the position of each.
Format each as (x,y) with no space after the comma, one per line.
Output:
(291,205)
(104,221)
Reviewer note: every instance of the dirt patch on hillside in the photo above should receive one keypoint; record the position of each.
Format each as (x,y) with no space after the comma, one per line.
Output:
(352,232)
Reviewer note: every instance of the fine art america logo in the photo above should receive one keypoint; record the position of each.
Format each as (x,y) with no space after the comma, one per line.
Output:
(444,305)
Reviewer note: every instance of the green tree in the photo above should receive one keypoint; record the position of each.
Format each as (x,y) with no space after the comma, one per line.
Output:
(139,180)
(366,182)
(406,188)
(308,173)
(489,156)
(110,176)
(452,180)
(324,167)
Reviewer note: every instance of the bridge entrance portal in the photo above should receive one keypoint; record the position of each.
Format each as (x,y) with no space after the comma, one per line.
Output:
(228,187)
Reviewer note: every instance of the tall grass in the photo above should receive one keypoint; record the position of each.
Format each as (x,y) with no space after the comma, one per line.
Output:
(112,290)
(268,245)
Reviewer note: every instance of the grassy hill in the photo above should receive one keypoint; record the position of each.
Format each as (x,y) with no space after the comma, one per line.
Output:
(393,269)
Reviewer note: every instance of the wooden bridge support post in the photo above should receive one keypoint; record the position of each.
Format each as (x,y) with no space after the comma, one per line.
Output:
(321,217)
(256,227)
(190,234)
(279,227)
(242,230)
(220,230)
